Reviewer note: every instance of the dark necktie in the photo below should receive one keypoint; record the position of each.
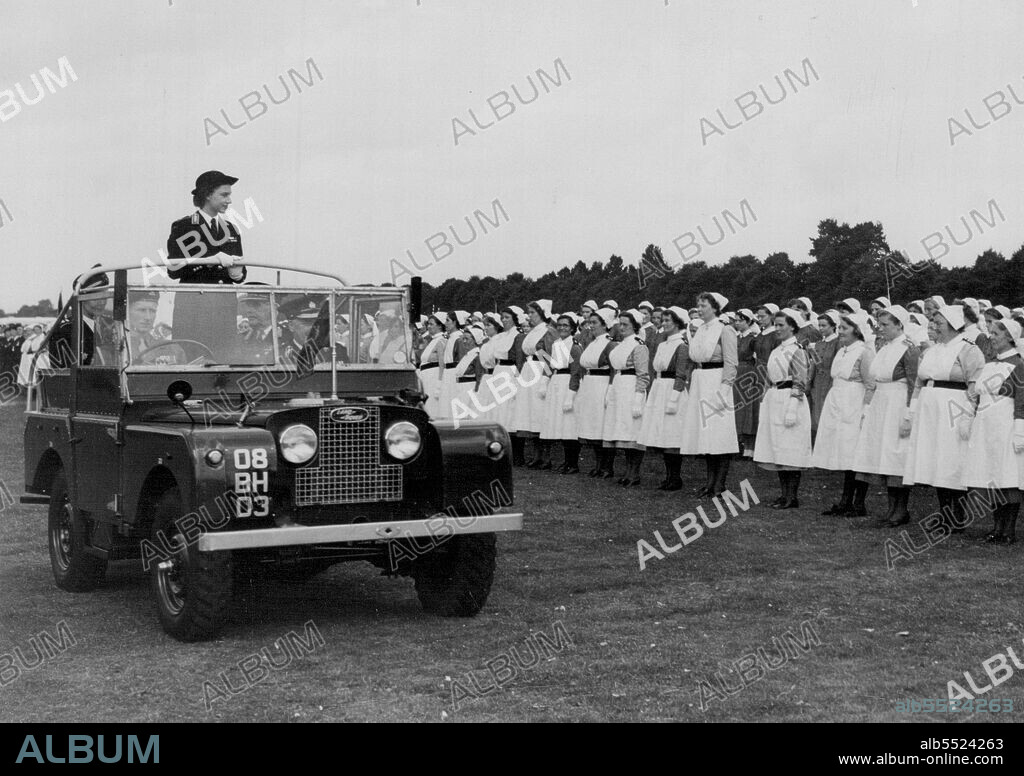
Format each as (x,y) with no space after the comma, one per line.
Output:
(216,231)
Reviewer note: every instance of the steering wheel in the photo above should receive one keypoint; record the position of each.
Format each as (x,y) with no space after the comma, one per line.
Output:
(182,343)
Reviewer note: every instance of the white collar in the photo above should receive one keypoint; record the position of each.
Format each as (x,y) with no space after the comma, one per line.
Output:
(677,336)
(830,337)
(790,341)
(1007,354)
(768,329)
(208,219)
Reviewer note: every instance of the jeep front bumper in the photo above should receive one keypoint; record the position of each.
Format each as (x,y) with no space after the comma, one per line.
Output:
(288,536)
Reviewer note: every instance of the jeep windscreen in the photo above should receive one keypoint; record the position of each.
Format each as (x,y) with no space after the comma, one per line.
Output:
(252,326)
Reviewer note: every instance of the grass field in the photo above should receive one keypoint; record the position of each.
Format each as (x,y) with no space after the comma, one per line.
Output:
(641,640)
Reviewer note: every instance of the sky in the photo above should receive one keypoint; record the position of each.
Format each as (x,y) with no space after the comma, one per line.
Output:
(363,165)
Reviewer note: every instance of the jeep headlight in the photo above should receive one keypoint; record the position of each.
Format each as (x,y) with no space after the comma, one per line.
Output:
(298,443)
(402,440)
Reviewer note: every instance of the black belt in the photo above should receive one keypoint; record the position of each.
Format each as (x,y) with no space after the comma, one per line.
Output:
(506,362)
(466,380)
(710,365)
(599,372)
(626,372)
(563,371)
(424,367)
(951,384)
(784,384)
(451,364)
(667,375)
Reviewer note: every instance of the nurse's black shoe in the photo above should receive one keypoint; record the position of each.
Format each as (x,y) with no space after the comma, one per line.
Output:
(674,484)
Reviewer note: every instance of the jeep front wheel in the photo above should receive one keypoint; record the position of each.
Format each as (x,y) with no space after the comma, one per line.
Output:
(192,588)
(73,569)
(454,579)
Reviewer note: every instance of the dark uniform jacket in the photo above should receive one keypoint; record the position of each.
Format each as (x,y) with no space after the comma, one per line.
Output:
(193,234)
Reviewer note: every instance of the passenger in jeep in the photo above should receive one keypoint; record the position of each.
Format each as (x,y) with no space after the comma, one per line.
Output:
(143,343)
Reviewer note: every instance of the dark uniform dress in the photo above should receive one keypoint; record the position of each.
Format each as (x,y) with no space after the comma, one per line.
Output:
(807,335)
(746,379)
(821,355)
(210,319)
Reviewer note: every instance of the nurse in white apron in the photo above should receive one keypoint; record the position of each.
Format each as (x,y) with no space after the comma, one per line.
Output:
(709,422)
(626,397)
(991,459)
(432,363)
(466,377)
(484,403)
(589,405)
(532,387)
(560,417)
(784,423)
(457,345)
(880,456)
(937,451)
(841,413)
(662,424)
(499,386)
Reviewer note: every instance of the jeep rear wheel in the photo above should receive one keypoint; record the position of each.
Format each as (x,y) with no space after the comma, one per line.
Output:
(192,588)
(73,569)
(455,579)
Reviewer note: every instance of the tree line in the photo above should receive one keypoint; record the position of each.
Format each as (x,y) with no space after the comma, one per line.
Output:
(847,261)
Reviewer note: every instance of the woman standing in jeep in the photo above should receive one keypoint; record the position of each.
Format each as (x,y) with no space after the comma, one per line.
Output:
(210,319)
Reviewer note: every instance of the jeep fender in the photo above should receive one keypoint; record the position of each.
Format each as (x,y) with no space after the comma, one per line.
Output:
(156,453)
(475,481)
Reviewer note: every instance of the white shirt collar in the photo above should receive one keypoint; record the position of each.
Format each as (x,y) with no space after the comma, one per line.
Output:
(208,219)
(1007,354)
(790,341)
(830,337)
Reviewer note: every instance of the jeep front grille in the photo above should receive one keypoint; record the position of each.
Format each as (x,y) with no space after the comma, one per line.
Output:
(349,468)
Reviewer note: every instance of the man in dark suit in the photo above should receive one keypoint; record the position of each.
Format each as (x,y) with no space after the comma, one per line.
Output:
(61,346)
(207,234)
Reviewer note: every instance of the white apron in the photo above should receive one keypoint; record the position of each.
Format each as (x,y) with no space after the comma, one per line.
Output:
(499,387)
(461,391)
(775,443)
(558,424)
(619,423)
(839,423)
(880,448)
(656,428)
(705,427)
(529,407)
(936,453)
(991,461)
(444,409)
(483,393)
(590,399)
(430,377)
